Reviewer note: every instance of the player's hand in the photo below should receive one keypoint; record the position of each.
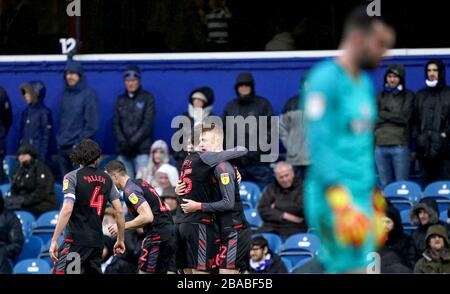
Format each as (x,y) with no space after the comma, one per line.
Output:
(190,206)
(119,248)
(180,189)
(53,250)
(238,176)
(112,229)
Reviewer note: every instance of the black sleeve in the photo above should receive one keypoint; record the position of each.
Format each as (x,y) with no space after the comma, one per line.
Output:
(5,109)
(225,175)
(267,213)
(147,125)
(214,158)
(400,118)
(44,185)
(120,138)
(15,236)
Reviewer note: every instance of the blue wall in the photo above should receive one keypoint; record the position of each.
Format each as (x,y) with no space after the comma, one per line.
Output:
(172,81)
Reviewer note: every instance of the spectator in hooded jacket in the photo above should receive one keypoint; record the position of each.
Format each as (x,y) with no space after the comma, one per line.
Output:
(397,254)
(33,185)
(199,108)
(78,114)
(431,124)
(11,237)
(248,105)
(395,106)
(424,214)
(436,257)
(293,135)
(6,120)
(36,123)
(166,177)
(159,155)
(281,205)
(263,260)
(133,121)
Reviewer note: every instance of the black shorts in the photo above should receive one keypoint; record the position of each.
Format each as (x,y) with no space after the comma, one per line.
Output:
(234,252)
(90,259)
(156,254)
(197,246)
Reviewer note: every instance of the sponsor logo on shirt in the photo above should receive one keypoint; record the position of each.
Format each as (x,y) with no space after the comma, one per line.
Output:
(133,198)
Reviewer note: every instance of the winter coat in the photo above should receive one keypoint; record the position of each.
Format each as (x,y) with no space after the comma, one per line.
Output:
(435,263)
(36,122)
(148,173)
(133,123)
(79,118)
(276,266)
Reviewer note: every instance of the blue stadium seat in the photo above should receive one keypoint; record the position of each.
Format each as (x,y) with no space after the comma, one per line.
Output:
(274,240)
(59,194)
(443,216)
(287,263)
(250,192)
(27,220)
(403,194)
(45,225)
(31,248)
(253,218)
(405,216)
(299,247)
(440,191)
(5,189)
(32,266)
(10,165)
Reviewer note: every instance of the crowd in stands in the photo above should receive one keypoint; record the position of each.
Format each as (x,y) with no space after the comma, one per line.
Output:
(409,127)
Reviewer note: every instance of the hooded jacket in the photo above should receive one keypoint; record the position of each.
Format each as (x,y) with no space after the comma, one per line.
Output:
(285,200)
(395,107)
(431,121)
(172,174)
(11,238)
(6,120)
(249,106)
(36,122)
(34,182)
(194,116)
(418,236)
(397,254)
(148,173)
(275,266)
(79,118)
(435,263)
(133,122)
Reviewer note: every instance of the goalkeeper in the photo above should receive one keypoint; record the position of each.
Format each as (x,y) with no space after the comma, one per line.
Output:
(340,109)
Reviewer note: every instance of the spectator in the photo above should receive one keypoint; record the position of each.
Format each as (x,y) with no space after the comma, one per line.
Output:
(263,260)
(424,214)
(281,206)
(218,24)
(436,257)
(133,121)
(6,119)
(171,200)
(199,108)
(293,135)
(36,123)
(11,238)
(166,177)
(159,155)
(397,254)
(432,124)
(395,107)
(32,187)
(248,105)
(78,114)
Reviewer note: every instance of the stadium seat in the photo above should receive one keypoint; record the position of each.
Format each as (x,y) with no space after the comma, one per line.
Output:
(287,263)
(253,218)
(443,216)
(59,194)
(299,247)
(45,225)
(32,247)
(10,165)
(403,194)
(440,191)
(27,220)
(250,191)
(5,189)
(32,266)
(405,216)
(274,240)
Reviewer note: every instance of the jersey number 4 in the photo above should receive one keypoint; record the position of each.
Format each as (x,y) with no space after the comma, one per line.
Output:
(97,200)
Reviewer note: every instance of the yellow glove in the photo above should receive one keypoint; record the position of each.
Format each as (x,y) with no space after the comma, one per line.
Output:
(379,207)
(352,225)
